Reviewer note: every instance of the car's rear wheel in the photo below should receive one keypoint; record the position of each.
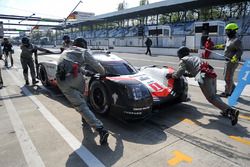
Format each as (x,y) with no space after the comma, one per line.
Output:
(98,98)
(43,76)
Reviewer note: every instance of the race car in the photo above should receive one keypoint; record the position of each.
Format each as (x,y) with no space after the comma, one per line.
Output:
(126,91)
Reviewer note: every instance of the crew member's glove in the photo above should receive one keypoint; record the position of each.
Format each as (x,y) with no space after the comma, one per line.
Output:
(169,75)
(234,59)
(219,46)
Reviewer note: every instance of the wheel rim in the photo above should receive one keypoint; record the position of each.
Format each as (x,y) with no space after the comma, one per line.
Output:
(99,98)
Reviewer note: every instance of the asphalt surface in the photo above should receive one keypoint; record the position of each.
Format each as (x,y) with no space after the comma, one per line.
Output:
(38,127)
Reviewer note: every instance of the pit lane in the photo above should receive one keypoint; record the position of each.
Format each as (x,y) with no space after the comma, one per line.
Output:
(187,134)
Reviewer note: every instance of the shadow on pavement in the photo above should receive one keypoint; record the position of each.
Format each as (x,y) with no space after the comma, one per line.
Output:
(155,130)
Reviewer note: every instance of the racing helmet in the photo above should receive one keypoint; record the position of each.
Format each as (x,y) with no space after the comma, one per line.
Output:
(25,40)
(66,38)
(80,42)
(183,51)
(232,26)
(231,29)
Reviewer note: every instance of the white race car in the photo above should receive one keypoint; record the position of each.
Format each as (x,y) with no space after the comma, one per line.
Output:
(126,91)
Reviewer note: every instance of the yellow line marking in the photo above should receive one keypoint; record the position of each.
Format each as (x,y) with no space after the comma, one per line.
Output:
(179,157)
(244,117)
(188,121)
(191,122)
(241,140)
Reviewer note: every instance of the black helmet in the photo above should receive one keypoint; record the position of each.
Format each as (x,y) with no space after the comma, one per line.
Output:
(183,51)
(80,42)
(66,38)
(25,40)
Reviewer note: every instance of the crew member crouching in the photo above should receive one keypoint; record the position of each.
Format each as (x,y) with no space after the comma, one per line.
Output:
(193,66)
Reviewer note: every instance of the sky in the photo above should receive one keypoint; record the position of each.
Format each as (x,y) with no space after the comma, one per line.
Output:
(59,9)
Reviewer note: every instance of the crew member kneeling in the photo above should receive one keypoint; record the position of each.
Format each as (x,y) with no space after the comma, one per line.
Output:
(193,66)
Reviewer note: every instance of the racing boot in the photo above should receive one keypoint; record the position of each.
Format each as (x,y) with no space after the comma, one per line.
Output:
(103,135)
(84,123)
(233,115)
(27,82)
(225,113)
(34,81)
(223,94)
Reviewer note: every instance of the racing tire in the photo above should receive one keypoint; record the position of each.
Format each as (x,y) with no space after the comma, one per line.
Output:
(98,98)
(43,76)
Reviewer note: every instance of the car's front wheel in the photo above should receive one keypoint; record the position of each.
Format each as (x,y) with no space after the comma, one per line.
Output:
(43,76)
(98,98)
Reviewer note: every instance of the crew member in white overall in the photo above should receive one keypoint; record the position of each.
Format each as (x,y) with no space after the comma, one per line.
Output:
(193,66)
(71,82)
(233,51)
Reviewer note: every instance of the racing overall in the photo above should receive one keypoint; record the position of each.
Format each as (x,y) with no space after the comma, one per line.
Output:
(206,78)
(27,61)
(233,50)
(208,45)
(71,81)
(7,50)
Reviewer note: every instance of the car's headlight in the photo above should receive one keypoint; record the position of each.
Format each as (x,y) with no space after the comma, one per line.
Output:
(137,92)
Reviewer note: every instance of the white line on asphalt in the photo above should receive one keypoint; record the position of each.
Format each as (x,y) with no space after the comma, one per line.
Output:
(72,141)
(30,153)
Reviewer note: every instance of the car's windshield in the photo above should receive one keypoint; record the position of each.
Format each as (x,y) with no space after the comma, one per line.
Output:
(119,68)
